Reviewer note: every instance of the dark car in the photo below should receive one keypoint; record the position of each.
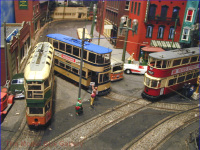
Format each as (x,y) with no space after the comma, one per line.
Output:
(17,85)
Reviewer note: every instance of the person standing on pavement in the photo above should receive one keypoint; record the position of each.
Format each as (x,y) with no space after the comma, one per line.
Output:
(93,95)
(79,107)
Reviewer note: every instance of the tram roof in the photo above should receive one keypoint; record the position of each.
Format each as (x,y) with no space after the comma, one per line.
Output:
(76,42)
(177,53)
(39,64)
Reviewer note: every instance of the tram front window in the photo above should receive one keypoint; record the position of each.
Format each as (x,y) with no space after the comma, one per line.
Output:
(100,59)
(35,110)
(107,58)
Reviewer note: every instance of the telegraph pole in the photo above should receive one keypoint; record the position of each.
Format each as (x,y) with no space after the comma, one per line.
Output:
(81,65)
(174,33)
(5,48)
(101,23)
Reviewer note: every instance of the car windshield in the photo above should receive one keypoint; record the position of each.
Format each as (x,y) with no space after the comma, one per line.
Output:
(18,81)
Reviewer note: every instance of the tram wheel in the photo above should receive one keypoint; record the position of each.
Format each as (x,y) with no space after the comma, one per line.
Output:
(127,71)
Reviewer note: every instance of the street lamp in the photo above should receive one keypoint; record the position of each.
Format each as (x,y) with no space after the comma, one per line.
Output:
(93,20)
(133,29)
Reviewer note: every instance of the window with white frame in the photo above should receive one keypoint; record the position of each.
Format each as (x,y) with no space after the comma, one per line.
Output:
(171,32)
(189,16)
(127,4)
(149,31)
(160,32)
(185,34)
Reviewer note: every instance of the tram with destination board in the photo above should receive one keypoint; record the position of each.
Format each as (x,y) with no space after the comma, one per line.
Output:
(39,84)
(117,72)
(168,71)
(96,62)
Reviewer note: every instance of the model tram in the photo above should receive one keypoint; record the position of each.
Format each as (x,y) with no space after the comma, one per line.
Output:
(39,83)
(168,71)
(117,72)
(96,61)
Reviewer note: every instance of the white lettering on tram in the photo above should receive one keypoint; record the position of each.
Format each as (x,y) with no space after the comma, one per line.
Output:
(184,69)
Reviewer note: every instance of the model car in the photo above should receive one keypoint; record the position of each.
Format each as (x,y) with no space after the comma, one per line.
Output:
(134,68)
(17,86)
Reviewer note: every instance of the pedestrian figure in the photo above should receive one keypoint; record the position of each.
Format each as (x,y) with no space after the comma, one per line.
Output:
(191,91)
(79,107)
(93,95)
(187,89)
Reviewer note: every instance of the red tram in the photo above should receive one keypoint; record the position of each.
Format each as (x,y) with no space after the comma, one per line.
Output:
(168,71)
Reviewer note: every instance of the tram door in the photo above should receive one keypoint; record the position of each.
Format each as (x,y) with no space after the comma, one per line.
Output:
(94,78)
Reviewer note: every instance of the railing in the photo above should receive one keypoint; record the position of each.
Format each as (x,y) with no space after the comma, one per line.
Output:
(160,18)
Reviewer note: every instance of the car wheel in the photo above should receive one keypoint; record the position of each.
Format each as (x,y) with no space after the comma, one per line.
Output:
(128,71)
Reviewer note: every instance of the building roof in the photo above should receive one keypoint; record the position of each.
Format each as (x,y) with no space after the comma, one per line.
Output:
(177,53)
(76,42)
(9,30)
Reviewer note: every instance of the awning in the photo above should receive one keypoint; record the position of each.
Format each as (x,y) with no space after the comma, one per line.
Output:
(152,49)
(165,44)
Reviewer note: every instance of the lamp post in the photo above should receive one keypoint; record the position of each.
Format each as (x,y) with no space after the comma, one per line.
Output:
(93,20)
(133,29)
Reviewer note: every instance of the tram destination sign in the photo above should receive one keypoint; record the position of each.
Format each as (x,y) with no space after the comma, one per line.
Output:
(184,69)
(68,58)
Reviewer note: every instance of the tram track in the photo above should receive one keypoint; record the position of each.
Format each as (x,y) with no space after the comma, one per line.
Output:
(25,138)
(163,130)
(100,123)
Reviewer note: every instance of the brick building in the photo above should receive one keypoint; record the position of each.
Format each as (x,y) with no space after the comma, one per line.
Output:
(33,11)
(18,46)
(157,23)
(108,18)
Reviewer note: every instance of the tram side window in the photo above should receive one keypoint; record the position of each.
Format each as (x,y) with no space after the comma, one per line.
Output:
(185,60)
(177,62)
(62,46)
(164,65)
(35,110)
(62,65)
(68,67)
(100,59)
(194,59)
(56,61)
(84,54)
(47,107)
(55,44)
(153,83)
(76,51)
(74,70)
(158,64)
(106,77)
(195,74)
(151,61)
(181,79)
(46,83)
(172,81)
(92,57)
(68,48)
(147,81)
(83,73)
(189,76)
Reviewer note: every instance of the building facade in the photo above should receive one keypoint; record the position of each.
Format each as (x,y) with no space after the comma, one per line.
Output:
(16,49)
(159,25)
(31,11)
(108,20)
(190,24)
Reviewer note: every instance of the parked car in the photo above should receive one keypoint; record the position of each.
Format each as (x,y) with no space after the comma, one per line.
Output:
(17,86)
(6,102)
(134,68)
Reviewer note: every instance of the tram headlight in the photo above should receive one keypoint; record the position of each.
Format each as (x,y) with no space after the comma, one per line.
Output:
(36,120)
